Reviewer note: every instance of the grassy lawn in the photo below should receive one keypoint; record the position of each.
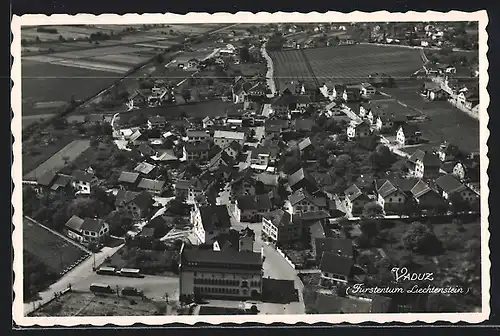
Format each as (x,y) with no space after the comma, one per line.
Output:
(53,251)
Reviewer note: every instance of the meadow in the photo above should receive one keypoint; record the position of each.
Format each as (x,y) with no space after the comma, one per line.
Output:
(54,252)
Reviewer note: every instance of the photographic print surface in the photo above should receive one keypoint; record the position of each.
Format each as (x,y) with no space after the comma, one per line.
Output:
(250,168)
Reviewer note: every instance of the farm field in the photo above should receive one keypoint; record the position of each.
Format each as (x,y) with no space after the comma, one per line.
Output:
(71,151)
(447,122)
(87,304)
(45,82)
(54,252)
(344,63)
(291,65)
(358,61)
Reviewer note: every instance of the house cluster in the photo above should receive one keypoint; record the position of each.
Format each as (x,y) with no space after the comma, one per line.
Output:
(455,85)
(159,94)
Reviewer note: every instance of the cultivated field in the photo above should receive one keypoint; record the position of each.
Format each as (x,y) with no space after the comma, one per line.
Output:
(359,61)
(291,65)
(46,83)
(344,63)
(50,249)
(57,161)
(447,123)
(87,304)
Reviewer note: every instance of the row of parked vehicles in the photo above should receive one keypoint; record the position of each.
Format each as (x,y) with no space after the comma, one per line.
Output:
(100,288)
(125,272)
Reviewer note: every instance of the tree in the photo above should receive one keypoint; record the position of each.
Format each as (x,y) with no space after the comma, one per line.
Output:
(420,238)
(186,94)
(178,207)
(373,210)
(61,38)
(244,55)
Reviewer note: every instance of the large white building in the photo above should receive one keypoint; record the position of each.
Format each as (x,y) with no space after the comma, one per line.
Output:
(224,138)
(220,274)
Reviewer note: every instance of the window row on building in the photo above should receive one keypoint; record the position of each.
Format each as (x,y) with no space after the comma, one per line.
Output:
(225,282)
(217,290)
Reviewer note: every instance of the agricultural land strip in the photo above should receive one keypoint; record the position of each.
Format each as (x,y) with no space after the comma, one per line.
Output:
(359,61)
(57,161)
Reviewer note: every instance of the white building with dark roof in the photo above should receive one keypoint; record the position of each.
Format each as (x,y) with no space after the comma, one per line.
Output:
(83,181)
(154,187)
(220,274)
(224,138)
(88,230)
(210,221)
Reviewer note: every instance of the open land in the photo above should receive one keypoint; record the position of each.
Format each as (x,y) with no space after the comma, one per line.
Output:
(87,304)
(57,161)
(446,122)
(344,63)
(56,253)
(45,82)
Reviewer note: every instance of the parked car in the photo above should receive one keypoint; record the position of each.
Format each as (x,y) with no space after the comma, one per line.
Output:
(99,288)
(131,291)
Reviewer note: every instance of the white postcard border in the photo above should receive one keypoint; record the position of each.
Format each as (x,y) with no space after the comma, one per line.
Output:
(246,17)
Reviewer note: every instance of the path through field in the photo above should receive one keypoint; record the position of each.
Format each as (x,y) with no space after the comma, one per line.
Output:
(57,161)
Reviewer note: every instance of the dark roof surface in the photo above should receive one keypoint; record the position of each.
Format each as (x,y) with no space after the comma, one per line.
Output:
(334,263)
(215,217)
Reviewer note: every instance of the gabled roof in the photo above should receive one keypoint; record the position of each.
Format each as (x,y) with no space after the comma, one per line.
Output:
(340,246)
(302,194)
(83,176)
(303,124)
(420,189)
(305,143)
(215,217)
(124,197)
(74,223)
(92,224)
(197,133)
(267,179)
(221,156)
(337,264)
(427,158)
(255,202)
(353,192)
(449,184)
(236,146)
(46,178)
(410,129)
(229,135)
(128,177)
(279,218)
(199,256)
(144,168)
(183,184)
(151,184)
(229,240)
(61,182)
(386,189)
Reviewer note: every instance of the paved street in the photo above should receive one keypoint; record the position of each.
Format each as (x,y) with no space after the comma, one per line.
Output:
(154,287)
(79,273)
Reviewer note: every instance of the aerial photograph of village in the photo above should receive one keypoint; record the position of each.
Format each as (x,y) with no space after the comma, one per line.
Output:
(250,169)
